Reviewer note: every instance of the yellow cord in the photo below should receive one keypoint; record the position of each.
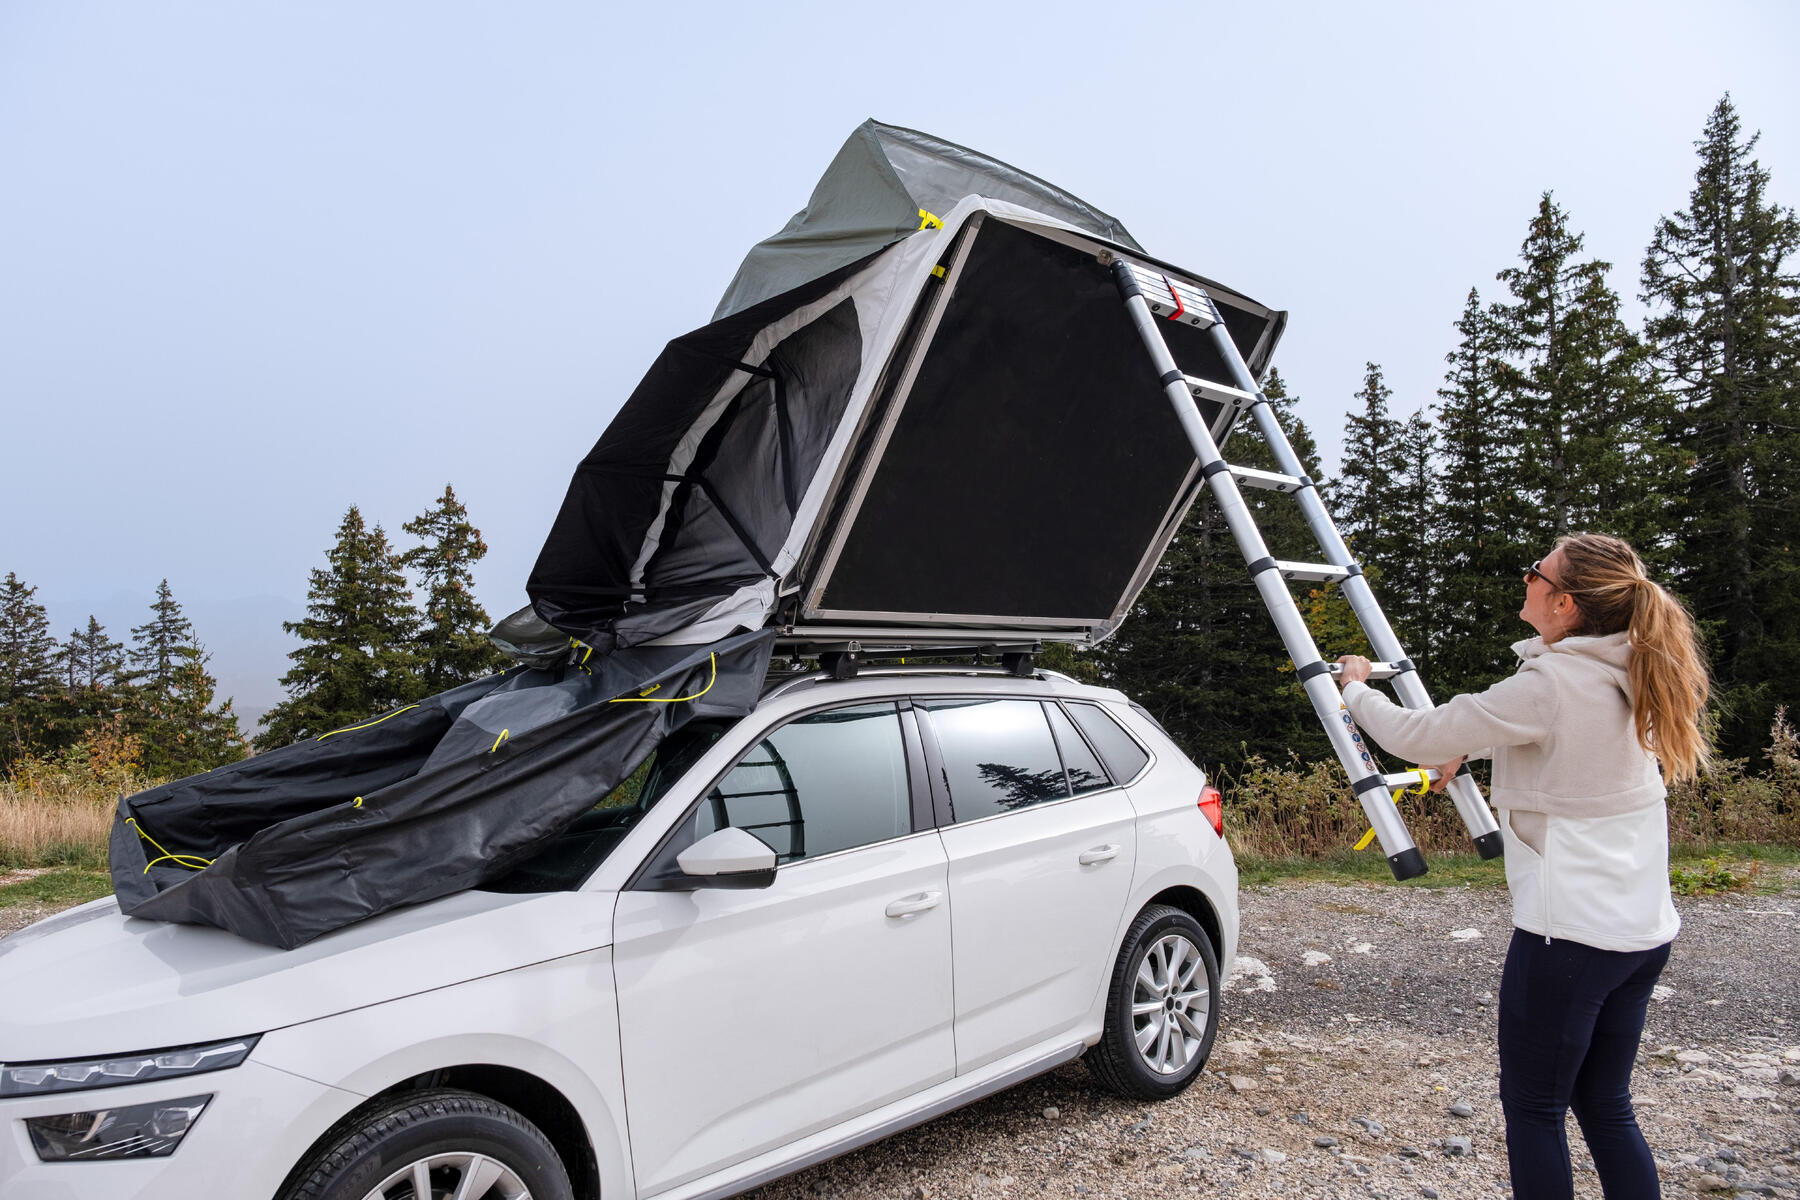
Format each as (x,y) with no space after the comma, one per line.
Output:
(365,724)
(498,740)
(186,860)
(646,698)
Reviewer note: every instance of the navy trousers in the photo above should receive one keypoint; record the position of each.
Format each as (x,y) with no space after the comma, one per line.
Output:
(1571,1017)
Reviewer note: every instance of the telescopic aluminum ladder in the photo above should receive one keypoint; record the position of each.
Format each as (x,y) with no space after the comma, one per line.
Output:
(1149,294)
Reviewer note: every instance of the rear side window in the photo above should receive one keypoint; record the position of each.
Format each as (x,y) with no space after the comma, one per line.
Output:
(821,783)
(1085,772)
(998,755)
(1118,749)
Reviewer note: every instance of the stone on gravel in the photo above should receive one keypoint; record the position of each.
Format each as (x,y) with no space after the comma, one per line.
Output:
(1428,1192)
(1051,1113)
(1693,1058)
(1325,1141)
(1459,1109)
(1138,1126)
(1241,1083)
(1273,1157)
(1409,1152)
(1464,935)
(1315,958)
(1371,1124)
(1458,1147)
(1790,1077)
(1712,1183)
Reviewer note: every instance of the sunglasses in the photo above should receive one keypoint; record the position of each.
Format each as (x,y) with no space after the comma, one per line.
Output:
(1535,571)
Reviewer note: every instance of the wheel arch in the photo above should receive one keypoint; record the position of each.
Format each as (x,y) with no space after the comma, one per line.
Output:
(1192,901)
(533,1098)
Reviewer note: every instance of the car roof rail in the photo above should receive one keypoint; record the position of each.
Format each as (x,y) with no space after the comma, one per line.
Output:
(782,683)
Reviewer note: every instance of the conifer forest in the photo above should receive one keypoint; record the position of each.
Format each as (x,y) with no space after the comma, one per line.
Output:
(1555,415)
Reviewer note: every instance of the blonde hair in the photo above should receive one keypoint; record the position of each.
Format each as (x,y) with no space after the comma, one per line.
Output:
(1667,669)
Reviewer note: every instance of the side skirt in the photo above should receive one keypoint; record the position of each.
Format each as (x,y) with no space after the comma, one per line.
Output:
(870,1127)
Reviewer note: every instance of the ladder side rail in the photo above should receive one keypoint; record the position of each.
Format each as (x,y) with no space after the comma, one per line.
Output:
(1471,806)
(1366,777)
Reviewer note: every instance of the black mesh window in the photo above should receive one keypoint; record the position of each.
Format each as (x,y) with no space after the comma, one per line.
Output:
(1118,749)
(821,783)
(1085,772)
(998,755)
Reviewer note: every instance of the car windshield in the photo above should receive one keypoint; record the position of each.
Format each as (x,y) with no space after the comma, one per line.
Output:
(567,861)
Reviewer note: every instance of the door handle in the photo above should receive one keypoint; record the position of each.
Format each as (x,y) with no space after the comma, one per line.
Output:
(1099,854)
(908,906)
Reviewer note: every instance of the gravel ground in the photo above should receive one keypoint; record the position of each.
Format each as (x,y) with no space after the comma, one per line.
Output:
(1355,1058)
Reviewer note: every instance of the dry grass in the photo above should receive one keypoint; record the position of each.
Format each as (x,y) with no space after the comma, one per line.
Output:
(58,811)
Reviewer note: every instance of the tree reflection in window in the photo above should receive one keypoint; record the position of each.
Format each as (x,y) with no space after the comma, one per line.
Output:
(1016,787)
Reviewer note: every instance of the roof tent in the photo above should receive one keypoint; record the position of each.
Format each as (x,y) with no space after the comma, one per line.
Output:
(922,413)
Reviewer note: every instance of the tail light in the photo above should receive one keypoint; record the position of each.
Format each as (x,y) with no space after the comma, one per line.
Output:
(1213,805)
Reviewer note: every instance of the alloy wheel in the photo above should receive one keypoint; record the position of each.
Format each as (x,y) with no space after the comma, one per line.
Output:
(1169,1004)
(452,1176)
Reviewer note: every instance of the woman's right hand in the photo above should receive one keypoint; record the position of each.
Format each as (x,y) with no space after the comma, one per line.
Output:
(1445,773)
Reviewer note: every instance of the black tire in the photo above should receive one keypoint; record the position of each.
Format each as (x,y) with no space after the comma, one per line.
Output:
(367,1147)
(1116,1060)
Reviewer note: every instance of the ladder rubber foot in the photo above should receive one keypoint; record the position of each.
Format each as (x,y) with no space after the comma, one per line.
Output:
(1408,864)
(1491,845)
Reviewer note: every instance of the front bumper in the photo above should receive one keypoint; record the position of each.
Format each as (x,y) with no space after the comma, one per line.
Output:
(260,1122)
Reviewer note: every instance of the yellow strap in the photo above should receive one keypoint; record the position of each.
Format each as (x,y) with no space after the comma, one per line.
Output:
(498,740)
(930,220)
(356,803)
(365,724)
(938,271)
(644,697)
(1424,786)
(186,860)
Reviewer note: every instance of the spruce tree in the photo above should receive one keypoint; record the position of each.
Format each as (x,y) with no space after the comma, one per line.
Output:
(92,661)
(1411,559)
(91,669)
(28,674)
(1575,389)
(1725,335)
(1361,496)
(1481,554)
(170,702)
(357,655)
(453,645)
(1198,649)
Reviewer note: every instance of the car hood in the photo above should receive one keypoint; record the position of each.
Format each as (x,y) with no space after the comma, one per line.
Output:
(92,982)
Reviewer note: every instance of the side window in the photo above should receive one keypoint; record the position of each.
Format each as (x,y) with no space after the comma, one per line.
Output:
(1118,749)
(1085,772)
(821,783)
(998,755)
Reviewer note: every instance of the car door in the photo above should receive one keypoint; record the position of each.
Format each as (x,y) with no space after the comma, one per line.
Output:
(750,1018)
(1041,847)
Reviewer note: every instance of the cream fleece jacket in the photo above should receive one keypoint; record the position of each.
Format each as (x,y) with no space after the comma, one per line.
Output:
(1559,731)
(1581,803)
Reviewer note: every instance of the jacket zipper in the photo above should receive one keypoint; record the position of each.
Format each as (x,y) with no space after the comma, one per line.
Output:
(1544,886)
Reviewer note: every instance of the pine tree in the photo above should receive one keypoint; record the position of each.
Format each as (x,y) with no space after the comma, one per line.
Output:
(1198,649)
(1575,389)
(1480,552)
(356,657)
(1361,494)
(92,661)
(1412,559)
(453,645)
(170,701)
(1725,335)
(28,674)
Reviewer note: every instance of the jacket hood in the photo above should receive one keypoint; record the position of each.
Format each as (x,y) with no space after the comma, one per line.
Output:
(1612,653)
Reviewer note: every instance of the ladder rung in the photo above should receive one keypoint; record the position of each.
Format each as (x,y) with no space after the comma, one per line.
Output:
(1206,389)
(1315,572)
(1377,670)
(1175,299)
(1272,481)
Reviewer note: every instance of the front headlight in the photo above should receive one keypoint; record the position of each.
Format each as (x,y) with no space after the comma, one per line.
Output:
(132,1131)
(42,1078)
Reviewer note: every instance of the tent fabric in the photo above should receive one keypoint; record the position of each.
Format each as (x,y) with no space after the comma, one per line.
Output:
(885,184)
(714,498)
(432,799)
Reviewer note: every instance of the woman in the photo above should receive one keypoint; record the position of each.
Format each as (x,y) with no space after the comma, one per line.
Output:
(1612,686)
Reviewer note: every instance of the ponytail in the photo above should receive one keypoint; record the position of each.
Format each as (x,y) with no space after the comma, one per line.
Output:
(1667,670)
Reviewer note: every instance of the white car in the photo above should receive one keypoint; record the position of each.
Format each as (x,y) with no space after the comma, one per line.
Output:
(866,904)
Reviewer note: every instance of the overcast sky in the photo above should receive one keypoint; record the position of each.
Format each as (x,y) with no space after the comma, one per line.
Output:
(259,262)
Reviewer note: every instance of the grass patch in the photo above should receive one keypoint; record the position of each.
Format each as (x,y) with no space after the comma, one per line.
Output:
(62,888)
(1350,866)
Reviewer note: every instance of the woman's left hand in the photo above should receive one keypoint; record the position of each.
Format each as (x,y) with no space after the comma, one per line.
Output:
(1356,669)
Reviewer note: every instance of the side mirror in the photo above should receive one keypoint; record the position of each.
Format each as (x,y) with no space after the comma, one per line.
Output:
(729,858)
